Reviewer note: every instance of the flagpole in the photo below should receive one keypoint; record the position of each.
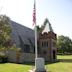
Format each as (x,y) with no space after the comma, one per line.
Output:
(39,62)
(36,54)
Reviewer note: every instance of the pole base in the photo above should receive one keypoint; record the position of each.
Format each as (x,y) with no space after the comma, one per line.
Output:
(37,71)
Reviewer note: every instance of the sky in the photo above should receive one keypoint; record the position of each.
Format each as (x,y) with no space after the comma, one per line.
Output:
(59,13)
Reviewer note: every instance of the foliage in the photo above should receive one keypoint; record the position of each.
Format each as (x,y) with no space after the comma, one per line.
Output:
(5,29)
(64,44)
(15,49)
(3,58)
(38,28)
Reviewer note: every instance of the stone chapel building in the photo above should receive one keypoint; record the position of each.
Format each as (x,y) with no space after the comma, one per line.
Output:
(23,37)
(47,42)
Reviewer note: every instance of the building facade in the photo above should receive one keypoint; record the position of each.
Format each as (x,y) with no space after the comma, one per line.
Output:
(47,42)
(23,37)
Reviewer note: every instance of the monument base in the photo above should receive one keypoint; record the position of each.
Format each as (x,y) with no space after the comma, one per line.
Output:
(39,65)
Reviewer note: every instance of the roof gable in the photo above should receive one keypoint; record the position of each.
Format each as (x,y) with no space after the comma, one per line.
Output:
(47,27)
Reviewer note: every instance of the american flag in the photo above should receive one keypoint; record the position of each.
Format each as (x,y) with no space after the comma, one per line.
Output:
(34,14)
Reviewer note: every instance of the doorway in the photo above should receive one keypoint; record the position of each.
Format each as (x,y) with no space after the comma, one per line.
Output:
(54,54)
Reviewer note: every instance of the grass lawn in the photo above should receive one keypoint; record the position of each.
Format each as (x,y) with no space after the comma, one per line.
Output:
(65,65)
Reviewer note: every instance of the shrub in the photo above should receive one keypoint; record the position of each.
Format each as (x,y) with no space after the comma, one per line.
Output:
(3,58)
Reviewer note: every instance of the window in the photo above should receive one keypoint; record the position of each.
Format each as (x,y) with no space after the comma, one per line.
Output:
(45,44)
(42,44)
(27,48)
(44,52)
(53,44)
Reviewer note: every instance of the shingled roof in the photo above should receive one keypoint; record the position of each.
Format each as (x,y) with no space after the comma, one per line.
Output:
(21,33)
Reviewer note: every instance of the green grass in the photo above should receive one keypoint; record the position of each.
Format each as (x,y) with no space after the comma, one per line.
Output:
(64,56)
(11,67)
(64,65)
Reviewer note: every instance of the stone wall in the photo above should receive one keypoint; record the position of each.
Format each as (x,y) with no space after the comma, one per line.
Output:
(13,56)
(50,39)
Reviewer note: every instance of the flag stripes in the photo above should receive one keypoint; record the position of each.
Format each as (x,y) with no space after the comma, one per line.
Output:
(34,14)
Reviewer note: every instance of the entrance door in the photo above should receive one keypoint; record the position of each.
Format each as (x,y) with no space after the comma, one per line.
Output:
(54,56)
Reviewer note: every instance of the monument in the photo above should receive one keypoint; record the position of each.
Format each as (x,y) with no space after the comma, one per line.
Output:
(39,65)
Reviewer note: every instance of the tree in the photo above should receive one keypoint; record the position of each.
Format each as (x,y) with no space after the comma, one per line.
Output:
(5,29)
(38,28)
(64,44)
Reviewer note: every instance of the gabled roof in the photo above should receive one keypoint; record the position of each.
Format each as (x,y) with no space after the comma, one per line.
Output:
(47,27)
